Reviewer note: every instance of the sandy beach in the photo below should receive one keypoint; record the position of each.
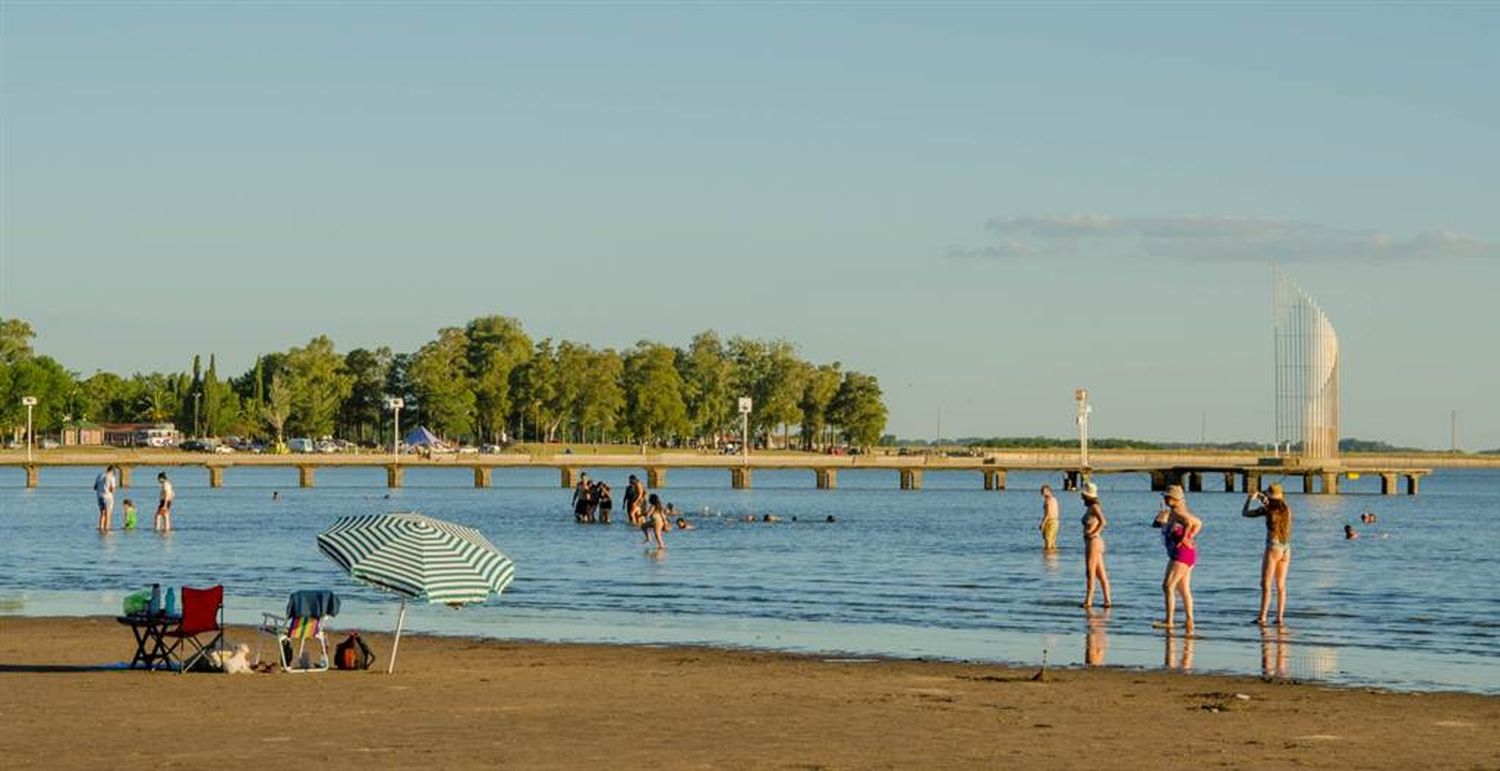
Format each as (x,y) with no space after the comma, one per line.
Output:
(457,702)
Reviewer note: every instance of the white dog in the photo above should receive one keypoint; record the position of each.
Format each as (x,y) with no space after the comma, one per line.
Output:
(236,662)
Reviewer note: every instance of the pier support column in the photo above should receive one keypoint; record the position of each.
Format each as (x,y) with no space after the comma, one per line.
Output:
(911,479)
(1307,484)
(656,476)
(482,476)
(124,480)
(1387,484)
(569,477)
(994,479)
(305,475)
(1195,482)
(33,476)
(827,478)
(1229,481)
(739,477)
(1412,481)
(215,476)
(1330,483)
(1252,481)
(1158,481)
(394,475)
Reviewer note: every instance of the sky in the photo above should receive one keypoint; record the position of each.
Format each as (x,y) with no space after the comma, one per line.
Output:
(984,205)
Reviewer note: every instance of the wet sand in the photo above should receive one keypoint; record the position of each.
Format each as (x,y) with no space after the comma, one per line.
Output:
(458,702)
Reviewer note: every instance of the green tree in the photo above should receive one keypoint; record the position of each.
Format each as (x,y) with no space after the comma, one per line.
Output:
(857,410)
(708,380)
(276,408)
(772,375)
(602,395)
(360,415)
(818,392)
(654,407)
(438,374)
(15,341)
(534,390)
(221,406)
(43,378)
(497,345)
(316,378)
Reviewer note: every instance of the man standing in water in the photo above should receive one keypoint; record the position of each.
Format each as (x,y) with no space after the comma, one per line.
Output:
(163,520)
(1050,521)
(104,494)
(1278,555)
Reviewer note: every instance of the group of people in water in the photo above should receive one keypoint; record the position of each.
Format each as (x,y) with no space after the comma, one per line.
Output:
(1179,531)
(593,502)
(108,482)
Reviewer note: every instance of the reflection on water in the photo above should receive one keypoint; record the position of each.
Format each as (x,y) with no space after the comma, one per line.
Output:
(1096,639)
(1179,651)
(1273,650)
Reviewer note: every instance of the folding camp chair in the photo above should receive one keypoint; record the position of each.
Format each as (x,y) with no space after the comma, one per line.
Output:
(307,613)
(202,619)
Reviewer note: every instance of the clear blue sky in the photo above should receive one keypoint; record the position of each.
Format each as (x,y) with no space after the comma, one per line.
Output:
(984,205)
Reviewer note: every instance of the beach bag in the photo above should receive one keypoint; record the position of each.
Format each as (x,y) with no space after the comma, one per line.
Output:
(137,602)
(353,653)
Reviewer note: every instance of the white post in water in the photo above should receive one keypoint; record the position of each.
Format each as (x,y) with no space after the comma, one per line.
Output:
(394,404)
(400,621)
(745,406)
(1082,395)
(29,401)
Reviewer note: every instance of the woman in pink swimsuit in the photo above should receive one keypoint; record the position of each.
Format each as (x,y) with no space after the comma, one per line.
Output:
(1179,530)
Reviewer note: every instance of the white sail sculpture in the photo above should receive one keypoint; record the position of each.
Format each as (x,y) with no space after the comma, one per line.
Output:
(1307,373)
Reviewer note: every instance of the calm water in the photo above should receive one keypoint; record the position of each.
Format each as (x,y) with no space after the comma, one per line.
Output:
(947,572)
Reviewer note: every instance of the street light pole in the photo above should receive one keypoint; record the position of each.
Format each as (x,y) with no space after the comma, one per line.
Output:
(394,404)
(29,401)
(745,406)
(1082,395)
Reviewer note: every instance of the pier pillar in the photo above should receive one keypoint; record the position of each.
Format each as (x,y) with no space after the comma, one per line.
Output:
(569,477)
(394,475)
(739,477)
(215,476)
(656,476)
(1330,483)
(994,479)
(1307,484)
(1412,481)
(1195,482)
(1387,484)
(827,478)
(1252,481)
(1229,481)
(482,476)
(124,480)
(1158,481)
(305,475)
(911,479)
(33,475)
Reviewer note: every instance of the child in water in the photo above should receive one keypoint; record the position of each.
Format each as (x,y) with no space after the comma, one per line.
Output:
(129,514)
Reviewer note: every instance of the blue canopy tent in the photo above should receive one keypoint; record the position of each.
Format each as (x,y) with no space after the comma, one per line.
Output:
(420,436)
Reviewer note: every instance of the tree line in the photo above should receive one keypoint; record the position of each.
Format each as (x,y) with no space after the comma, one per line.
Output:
(487,381)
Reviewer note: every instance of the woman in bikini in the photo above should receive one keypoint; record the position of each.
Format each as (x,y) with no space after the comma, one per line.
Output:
(654,522)
(1093,546)
(1278,555)
(1179,531)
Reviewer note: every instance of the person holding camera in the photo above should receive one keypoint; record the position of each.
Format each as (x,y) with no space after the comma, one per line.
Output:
(1278,556)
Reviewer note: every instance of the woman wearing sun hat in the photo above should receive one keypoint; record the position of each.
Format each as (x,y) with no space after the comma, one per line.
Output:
(1278,556)
(1093,546)
(1179,531)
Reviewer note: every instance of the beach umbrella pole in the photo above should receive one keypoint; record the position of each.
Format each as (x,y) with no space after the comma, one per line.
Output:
(400,621)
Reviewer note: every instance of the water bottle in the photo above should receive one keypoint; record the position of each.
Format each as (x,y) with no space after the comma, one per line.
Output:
(155,606)
(171,601)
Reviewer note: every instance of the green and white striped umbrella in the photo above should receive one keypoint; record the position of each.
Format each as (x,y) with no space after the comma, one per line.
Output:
(417,557)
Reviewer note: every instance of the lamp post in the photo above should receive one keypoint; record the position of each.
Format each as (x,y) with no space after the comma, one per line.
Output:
(1082,395)
(197,430)
(29,401)
(745,406)
(394,404)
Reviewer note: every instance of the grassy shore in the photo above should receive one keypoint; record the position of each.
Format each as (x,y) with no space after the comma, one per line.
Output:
(470,703)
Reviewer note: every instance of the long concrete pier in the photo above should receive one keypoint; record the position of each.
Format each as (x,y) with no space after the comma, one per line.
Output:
(1199,472)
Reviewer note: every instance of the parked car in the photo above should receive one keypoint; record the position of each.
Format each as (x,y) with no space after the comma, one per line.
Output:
(491,449)
(49,444)
(223,449)
(327,446)
(301,444)
(194,445)
(468,450)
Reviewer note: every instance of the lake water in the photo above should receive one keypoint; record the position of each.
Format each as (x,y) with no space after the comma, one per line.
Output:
(949,572)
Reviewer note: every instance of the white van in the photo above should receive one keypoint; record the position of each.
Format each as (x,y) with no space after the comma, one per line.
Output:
(301,444)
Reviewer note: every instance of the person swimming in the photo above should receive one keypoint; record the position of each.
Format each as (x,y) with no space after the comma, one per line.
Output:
(1350,533)
(683,524)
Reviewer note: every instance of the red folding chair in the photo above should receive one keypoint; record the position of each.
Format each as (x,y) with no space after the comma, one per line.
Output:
(202,619)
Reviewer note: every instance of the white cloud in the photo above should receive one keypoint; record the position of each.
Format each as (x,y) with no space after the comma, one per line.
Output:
(1220,238)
